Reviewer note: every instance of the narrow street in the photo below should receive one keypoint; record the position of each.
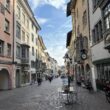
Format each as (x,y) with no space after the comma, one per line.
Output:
(45,97)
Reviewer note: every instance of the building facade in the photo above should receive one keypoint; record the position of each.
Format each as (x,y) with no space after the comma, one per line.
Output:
(81,28)
(91,25)
(26,28)
(33,49)
(6,45)
(100,37)
(41,58)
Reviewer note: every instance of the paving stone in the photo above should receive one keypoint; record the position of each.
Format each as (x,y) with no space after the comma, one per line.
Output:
(45,97)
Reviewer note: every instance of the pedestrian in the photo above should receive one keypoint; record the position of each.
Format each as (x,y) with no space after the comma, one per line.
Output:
(50,78)
(39,79)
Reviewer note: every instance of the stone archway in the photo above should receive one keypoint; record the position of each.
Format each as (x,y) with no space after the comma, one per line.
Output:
(82,70)
(88,71)
(4,79)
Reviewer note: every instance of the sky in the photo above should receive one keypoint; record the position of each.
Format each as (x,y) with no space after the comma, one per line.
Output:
(51,16)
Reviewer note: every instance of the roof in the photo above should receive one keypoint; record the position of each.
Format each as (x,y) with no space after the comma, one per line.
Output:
(68,11)
(34,19)
(69,35)
(70,6)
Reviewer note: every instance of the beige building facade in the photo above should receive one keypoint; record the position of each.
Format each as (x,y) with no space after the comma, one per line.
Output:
(26,28)
(81,30)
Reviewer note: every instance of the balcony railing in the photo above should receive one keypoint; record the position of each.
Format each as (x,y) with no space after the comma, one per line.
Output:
(24,60)
(25,68)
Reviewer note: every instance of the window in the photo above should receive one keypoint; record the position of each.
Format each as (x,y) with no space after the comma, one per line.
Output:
(9,50)
(18,51)
(8,4)
(33,51)
(106,12)
(18,30)
(7,25)
(23,52)
(84,19)
(27,23)
(93,36)
(23,18)
(18,12)
(100,30)
(23,36)
(36,30)
(32,38)
(36,54)
(1,47)
(2,8)
(95,3)
(32,64)
(32,25)
(27,38)
(97,32)
(36,41)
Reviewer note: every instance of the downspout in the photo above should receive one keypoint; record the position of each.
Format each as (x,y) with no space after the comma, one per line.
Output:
(13,30)
(88,19)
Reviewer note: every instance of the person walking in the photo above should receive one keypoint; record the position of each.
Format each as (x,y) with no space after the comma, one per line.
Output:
(50,78)
(39,79)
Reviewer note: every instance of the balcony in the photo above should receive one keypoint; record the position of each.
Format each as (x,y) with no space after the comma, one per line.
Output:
(25,68)
(107,40)
(24,44)
(107,44)
(25,60)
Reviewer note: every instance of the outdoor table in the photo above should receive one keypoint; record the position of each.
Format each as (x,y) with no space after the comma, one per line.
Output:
(70,94)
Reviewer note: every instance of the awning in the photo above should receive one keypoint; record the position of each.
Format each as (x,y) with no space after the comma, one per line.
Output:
(68,11)
(69,35)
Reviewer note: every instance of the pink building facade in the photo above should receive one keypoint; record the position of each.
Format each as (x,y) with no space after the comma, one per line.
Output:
(6,45)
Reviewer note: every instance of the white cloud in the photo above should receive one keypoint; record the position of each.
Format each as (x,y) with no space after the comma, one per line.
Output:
(58,53)
(58,4)
(34,3)
(56,41)
(41,21)
(55,3)
(50,26)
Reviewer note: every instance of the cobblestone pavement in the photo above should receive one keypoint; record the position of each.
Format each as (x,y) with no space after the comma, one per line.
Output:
(45,97)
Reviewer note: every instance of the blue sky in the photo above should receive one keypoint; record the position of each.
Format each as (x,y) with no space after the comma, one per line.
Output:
(51,15)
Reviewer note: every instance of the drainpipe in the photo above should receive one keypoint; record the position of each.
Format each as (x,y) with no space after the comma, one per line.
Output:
(13,29)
